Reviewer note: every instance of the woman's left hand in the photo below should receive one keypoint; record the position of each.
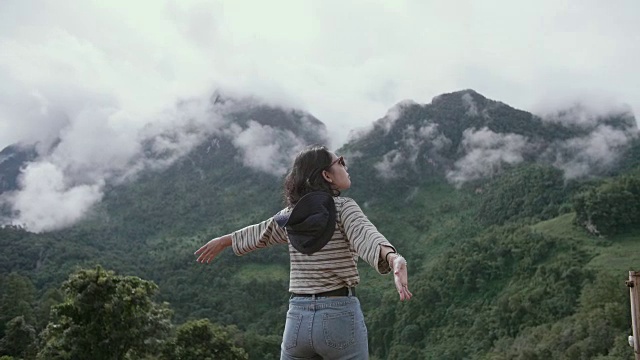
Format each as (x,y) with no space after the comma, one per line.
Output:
(400,277)
(212,248)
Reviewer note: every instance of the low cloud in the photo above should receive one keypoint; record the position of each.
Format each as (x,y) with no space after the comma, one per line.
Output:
(49,201)
(386,123)
(587,114)
(417,147)
(266,148)
(99,146)
(592,154)
(486,153)
(467,101)
(387,166)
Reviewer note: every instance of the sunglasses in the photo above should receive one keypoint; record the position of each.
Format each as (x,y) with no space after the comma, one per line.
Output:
(339,160)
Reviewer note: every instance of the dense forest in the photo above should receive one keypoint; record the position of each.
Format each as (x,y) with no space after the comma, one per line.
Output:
(518,262)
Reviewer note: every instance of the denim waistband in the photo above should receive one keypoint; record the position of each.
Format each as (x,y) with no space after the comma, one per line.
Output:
(317,303)
(343,291)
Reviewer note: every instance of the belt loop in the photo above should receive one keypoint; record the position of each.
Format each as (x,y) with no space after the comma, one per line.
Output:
(350,293)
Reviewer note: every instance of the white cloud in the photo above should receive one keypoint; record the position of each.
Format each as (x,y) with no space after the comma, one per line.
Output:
(583,111)
(386,167)
(596,152)
(144,54)
(265,148)
(485,154)
(472,108)
(102,76)
(427,139)
(50,203)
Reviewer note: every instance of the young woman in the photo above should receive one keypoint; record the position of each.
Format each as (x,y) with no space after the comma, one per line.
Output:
(326,234)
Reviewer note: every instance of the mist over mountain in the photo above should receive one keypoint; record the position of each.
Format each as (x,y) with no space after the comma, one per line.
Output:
(459,137)
(463,136)
(47,189)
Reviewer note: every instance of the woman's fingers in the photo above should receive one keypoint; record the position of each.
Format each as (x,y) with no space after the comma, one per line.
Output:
(211,249)
(202,257)
(404,292)
(402,286)
(202,248)
(400,274)
(207,252)
(407,294)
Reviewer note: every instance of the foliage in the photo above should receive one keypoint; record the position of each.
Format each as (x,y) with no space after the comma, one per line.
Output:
(201,340)
(105,316)
(480,291)
(19,339)
(17,297)
(523,192)
(589,334)
(611,208)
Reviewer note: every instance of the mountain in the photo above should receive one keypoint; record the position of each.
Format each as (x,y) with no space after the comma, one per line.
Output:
(464,136)
(477,195)
(12,158)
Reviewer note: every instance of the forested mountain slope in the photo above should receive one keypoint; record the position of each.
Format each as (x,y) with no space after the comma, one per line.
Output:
(518,230)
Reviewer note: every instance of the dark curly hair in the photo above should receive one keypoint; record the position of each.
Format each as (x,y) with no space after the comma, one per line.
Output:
(305,175)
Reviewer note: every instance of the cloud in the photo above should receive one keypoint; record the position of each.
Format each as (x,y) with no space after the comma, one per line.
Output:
(417,147)
(266,148)
(99,146)
(585,111)
(386,166)
(50,203)
(102,79)
(145,54)
(472,108)
(486,152)
(592,154)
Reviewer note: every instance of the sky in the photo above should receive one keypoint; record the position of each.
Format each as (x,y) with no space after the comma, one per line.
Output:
(95,75)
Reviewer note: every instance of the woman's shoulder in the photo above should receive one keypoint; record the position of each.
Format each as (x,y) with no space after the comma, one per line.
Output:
(342,201)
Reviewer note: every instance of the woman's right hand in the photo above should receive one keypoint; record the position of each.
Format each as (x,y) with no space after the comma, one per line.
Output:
(400,277)
(211,249)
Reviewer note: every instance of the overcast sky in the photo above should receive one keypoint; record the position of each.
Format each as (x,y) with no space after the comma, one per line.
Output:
(99,75)
(346,62)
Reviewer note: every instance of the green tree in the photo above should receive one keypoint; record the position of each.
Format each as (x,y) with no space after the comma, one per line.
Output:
(105,316)
(201,340)
(611,208)
(19,339)
(525,191)
(16,299)
(50,298)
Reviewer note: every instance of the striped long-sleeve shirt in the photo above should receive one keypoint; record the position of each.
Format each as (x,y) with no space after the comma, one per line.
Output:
(332,267)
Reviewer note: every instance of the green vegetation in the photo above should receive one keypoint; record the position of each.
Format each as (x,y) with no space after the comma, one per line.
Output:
(524,192)
(610,208)
(522,286)
(107,316)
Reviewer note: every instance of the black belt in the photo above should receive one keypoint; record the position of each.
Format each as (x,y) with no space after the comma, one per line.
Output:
(338,292)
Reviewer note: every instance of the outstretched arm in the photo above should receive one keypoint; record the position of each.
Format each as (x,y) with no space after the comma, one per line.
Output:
(252,237)
(212,248)
(399,266)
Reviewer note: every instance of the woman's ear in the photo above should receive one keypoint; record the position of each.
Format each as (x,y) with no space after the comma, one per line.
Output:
(327,176)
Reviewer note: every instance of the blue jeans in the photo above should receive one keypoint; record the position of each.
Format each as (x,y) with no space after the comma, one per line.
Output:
(324,328)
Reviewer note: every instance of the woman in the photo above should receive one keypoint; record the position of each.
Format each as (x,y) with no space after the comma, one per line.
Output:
(326,234)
